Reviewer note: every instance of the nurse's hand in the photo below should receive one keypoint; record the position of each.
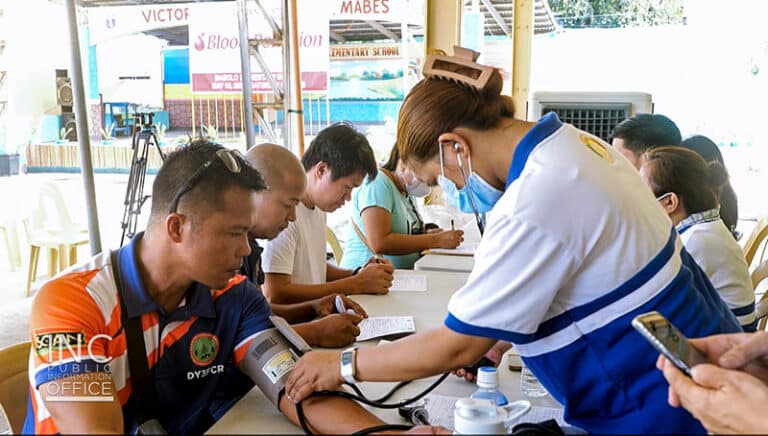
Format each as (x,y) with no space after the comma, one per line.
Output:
(315,371)
(494,355)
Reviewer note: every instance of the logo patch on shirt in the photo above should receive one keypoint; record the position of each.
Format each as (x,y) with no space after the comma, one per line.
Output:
(597,147)
(204,348)
(46,343)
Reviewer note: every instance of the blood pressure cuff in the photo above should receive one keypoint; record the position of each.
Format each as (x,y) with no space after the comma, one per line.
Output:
(268,362)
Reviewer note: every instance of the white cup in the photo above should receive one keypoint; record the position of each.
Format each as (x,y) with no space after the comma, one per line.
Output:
(481,416)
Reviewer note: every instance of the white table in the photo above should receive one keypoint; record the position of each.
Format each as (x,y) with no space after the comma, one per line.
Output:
(254,414)
(445,263)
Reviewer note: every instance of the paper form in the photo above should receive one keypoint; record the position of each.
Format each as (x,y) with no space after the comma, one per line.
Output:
(407,281)
(467,248)
(440,410)
(381,326)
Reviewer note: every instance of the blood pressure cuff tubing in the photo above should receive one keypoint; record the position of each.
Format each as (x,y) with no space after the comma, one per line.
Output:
(268,362)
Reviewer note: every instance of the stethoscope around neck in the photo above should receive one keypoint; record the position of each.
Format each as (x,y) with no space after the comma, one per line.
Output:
(472,202)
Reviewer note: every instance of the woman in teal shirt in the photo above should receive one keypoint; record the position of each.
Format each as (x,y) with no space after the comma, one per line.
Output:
(384,212)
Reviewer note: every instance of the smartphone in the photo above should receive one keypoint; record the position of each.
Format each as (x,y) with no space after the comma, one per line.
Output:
(668,340)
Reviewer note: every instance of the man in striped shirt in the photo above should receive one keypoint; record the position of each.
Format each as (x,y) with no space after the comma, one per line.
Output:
(198,315)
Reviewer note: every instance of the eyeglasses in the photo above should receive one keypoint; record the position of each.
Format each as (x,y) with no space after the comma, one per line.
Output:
(230,158)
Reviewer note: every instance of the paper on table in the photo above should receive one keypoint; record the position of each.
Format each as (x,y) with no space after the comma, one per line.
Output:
(440,410)
(467,248)
(407,281)
(539,414)
(381,326)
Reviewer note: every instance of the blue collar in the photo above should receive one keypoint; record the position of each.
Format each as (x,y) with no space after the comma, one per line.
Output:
(698,218)
(198,299)
(546,126)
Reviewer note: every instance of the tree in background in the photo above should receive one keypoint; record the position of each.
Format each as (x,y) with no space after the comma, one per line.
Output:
(617,13)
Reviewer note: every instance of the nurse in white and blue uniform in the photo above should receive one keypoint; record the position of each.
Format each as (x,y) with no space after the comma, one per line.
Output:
(575,248)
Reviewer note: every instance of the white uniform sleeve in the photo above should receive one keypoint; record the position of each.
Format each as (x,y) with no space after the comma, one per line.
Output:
(279,253)
(519,269)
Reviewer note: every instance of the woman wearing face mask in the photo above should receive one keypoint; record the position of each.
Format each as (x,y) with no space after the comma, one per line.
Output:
(575,248)
(385,214)
(688,189)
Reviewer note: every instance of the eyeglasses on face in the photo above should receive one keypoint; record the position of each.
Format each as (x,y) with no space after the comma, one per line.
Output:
(231,159)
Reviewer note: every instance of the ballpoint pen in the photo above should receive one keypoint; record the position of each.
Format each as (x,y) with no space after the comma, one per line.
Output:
(452,229)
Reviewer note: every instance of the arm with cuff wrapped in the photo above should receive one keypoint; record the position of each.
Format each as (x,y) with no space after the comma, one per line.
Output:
(268,361)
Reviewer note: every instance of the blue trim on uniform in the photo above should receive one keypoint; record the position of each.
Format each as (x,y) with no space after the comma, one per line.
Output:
(137,300)
(69,369)
(571,316)
(198,300)
(744,310)
(546,126)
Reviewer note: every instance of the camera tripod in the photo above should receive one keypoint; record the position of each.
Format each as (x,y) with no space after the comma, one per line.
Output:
(144,137)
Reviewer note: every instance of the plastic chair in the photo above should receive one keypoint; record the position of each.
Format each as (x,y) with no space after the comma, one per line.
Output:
(14,385)
(51,227)
(333,241)
(761,307)
(8,231)
(756,239)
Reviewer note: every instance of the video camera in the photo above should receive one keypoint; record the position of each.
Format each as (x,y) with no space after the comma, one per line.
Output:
(143,119)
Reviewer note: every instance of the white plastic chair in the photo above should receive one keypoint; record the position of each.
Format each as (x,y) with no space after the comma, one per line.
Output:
(51,227)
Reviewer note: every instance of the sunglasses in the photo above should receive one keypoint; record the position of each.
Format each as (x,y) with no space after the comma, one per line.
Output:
(232,160)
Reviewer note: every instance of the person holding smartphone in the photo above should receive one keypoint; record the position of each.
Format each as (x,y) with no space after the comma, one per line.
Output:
(576,246)
(728,395)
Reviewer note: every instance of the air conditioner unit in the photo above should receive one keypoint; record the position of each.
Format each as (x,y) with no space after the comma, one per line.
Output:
(594,112)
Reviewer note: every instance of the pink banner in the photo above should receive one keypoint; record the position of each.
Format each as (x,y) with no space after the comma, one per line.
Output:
(232,82)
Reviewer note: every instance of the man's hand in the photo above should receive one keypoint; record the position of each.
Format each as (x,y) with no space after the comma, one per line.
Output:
(494,355)
(428,429)
(448,239)
(375,278)
(334,331)
(721,399)
(327,305)
(315,371)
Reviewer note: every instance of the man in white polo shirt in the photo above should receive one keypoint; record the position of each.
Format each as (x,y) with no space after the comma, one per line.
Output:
(336,162)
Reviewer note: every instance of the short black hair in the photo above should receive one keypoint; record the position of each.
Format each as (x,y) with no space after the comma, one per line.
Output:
(180,165)
(705,147)
(645,131)
(345,150)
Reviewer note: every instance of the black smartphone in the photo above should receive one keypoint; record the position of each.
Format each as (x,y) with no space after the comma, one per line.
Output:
(668,340)
(484,361)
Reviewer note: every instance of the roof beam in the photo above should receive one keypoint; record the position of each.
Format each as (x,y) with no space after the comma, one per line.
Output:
(497,16)
(336,37)
(381,29)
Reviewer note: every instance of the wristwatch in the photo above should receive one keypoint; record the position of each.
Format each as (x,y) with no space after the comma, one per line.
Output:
(348,365)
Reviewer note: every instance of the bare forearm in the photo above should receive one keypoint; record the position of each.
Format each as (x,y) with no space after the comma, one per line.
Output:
(422,355)
(293,313)
(331,415)
(398,244)
(334,273)
(306,331)
(295,293)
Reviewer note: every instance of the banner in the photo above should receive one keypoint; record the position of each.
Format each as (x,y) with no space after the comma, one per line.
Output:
(214,47)
(111,22)
(382,10)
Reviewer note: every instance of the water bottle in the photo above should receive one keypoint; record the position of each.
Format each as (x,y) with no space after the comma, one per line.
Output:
(488,386)
(530,385)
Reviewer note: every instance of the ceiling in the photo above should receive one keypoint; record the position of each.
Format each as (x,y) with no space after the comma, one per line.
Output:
(499,16)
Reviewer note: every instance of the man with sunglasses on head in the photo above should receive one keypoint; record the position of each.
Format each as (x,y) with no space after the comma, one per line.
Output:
(201,322)
(284,176)
(336,162)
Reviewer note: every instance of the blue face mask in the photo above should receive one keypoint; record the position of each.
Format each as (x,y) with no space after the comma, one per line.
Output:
(477,196)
